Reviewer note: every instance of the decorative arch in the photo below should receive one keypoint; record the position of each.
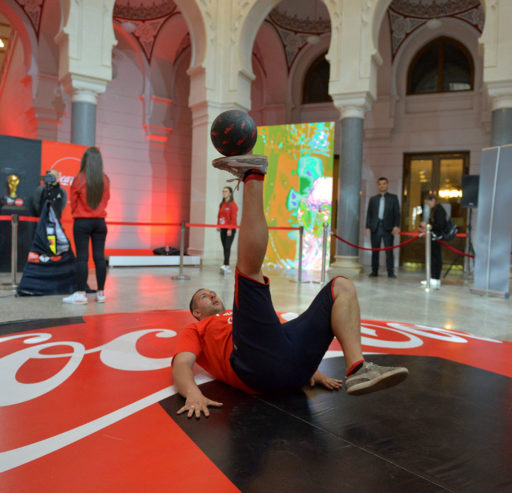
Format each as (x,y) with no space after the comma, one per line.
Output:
(268,41)
(22,24)
(454,29)
(313,81)
(253,21)
(441,43)
(197,29)
(299,70)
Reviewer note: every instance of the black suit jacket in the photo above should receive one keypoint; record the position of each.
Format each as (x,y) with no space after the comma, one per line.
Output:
(391,212)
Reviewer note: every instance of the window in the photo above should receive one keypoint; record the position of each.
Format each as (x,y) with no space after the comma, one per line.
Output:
(443,65)
(316,82)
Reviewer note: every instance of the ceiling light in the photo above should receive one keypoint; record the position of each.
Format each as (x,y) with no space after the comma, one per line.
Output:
(434,24)
(128,26)
(2,45)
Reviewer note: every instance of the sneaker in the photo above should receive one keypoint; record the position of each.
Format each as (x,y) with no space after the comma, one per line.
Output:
(238,165)
(371,377)
(373,274)
(77,298)
(434,283)
(100,296)
(225,269)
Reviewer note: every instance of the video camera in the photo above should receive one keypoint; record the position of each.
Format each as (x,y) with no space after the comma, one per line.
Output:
(49,178)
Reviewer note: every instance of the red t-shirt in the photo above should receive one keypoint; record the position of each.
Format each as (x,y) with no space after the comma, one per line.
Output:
(79,205)
(228,212)
(211,340)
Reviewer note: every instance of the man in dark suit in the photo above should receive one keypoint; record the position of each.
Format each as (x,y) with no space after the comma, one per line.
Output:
(383,221)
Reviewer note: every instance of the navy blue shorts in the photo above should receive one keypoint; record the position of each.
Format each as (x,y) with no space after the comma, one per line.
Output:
(272,356)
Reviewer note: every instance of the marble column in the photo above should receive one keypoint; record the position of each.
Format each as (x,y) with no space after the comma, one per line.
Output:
(83,121)
(349,196)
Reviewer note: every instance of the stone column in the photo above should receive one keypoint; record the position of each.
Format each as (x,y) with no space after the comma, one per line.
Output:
(349,191)
(83,118)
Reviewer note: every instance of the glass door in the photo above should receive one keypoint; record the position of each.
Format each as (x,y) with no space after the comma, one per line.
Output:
(441,174)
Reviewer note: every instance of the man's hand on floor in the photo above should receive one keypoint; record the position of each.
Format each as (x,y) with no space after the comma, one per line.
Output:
(329,383)
(196,404)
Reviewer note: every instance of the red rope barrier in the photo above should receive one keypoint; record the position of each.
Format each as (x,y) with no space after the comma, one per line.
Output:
(225,226)
(455,249)
(126,223)
(27,219)
(417,235)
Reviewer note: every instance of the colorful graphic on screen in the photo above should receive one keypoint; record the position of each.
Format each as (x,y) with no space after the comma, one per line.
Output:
(298,190)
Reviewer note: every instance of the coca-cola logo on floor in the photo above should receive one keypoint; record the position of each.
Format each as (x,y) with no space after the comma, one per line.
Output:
(84,377)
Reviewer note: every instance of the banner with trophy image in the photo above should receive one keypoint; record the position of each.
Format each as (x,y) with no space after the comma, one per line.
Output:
(23,165)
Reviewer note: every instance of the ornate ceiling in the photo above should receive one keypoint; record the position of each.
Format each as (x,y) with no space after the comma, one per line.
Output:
(298,22)
(405,16)
(143,9)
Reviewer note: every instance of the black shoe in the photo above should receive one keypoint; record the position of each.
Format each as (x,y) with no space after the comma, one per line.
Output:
(373,274)
(391,275)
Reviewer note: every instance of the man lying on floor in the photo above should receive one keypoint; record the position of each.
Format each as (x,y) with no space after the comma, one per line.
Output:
(249,348)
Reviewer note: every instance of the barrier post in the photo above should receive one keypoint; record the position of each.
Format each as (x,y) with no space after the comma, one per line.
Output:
(428,253)
(14,249)
(301,247)
(324,252)
(181,276)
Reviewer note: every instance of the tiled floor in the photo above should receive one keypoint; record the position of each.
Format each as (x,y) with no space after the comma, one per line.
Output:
(402,299)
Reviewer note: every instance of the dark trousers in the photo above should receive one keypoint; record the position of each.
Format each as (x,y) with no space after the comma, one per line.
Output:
(227,241)
(436,260)
(376,237)
(96,230)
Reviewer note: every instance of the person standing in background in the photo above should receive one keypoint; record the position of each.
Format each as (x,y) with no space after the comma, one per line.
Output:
(90,193)
(383,221)
(227,216)
(437,219)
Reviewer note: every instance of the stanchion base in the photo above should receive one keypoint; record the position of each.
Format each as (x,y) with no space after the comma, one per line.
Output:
(9,287)
(180,278)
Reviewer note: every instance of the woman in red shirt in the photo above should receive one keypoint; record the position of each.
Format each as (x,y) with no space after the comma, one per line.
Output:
(90,192)
(227,215)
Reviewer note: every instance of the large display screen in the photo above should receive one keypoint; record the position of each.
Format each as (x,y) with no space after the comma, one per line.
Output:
(298,190)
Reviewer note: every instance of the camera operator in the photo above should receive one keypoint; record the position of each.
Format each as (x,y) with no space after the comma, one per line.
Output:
(50,191)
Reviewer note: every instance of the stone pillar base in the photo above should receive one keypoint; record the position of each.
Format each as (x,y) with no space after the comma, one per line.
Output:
(346,266)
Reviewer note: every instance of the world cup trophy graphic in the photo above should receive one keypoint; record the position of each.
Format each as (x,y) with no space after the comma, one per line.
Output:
(12,198)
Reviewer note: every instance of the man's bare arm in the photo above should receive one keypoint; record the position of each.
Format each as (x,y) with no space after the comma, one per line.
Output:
(183,377)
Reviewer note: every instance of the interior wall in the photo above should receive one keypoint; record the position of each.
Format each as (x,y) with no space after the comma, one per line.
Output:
(16,111)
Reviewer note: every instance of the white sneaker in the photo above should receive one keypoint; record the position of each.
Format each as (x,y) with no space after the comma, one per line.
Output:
(238,165)
(222,269)
(227,269)
(434,283)
(77,298)
(100,296)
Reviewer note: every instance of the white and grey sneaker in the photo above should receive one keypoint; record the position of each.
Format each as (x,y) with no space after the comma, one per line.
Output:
(238,165)
(77,298)
(371,377)
(434,283)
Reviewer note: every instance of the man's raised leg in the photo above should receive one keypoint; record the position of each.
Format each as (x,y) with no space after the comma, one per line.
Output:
(253,236)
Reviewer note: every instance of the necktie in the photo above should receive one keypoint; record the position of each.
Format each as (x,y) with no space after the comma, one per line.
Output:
(381,207)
